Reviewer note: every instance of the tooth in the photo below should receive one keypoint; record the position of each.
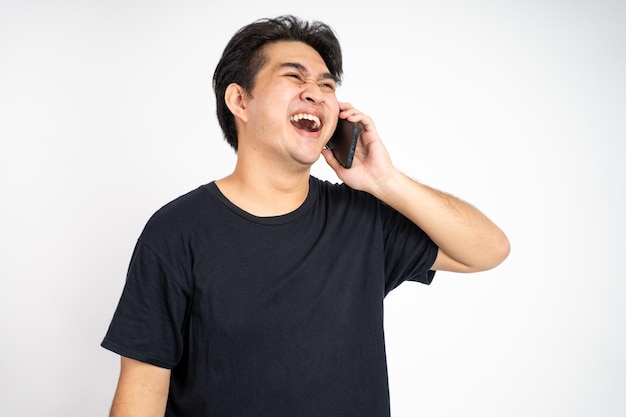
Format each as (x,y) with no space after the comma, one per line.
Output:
(316,120)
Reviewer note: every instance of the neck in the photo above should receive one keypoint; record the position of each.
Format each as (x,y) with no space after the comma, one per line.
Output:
(264,193)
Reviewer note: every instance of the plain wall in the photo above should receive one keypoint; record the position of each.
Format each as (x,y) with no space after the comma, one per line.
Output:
(107,113)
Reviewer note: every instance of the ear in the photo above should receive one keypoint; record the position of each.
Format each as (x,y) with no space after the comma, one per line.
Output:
(236,101)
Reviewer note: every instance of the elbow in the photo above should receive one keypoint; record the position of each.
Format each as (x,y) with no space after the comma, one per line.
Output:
(493,254)
(499,251)
(483,256)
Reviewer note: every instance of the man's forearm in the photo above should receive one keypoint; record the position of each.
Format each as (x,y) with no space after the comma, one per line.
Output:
(465,235)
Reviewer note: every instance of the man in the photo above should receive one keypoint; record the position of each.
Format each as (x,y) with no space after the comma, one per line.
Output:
(261,294)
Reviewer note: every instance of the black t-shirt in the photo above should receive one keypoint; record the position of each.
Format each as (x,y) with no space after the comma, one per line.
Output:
(269,316)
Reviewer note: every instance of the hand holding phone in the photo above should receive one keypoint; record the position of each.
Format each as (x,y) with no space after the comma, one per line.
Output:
(343,142)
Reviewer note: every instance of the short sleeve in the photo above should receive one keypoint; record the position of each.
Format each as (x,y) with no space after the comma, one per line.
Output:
(147,324)
(409,252)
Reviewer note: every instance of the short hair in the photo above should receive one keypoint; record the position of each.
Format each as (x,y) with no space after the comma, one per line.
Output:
(243,58)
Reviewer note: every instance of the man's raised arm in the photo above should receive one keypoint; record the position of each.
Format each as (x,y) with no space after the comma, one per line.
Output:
(468,241)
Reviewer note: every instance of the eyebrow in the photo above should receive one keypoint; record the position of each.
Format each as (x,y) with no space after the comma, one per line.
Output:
(306,72)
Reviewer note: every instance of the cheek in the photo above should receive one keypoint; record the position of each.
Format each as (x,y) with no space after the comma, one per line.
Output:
(332,103)
(275,99)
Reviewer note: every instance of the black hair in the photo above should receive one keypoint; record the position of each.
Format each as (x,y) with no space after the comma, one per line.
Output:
(243,58)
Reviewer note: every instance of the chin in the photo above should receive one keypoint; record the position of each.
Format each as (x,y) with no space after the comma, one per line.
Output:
(308,156)
(306,162)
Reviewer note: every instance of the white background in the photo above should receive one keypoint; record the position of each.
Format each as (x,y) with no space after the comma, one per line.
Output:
(107,113)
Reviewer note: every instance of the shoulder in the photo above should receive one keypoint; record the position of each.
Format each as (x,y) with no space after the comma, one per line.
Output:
(340,192)
(341,201)
(181,214)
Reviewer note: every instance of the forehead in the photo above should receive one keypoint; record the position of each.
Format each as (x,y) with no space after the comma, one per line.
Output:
(281,52)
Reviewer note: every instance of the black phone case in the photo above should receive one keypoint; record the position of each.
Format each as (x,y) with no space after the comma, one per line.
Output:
(343,142)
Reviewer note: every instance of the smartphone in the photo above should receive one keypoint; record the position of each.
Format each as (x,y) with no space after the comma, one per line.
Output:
(343,142)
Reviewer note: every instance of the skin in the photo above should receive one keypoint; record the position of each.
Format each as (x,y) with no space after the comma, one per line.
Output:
(142,390)
(271,178)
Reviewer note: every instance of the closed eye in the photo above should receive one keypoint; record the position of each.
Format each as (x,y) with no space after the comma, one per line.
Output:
(328,86)
(295,76)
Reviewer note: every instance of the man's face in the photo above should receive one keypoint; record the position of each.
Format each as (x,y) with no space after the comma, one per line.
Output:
(292,109)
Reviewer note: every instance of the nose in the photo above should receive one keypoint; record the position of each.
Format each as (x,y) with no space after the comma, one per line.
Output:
(312,92)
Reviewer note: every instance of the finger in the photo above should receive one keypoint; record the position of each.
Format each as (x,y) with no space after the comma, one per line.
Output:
(344,106)
(365,122)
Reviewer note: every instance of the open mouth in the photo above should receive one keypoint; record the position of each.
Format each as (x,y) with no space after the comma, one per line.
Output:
(308,122)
